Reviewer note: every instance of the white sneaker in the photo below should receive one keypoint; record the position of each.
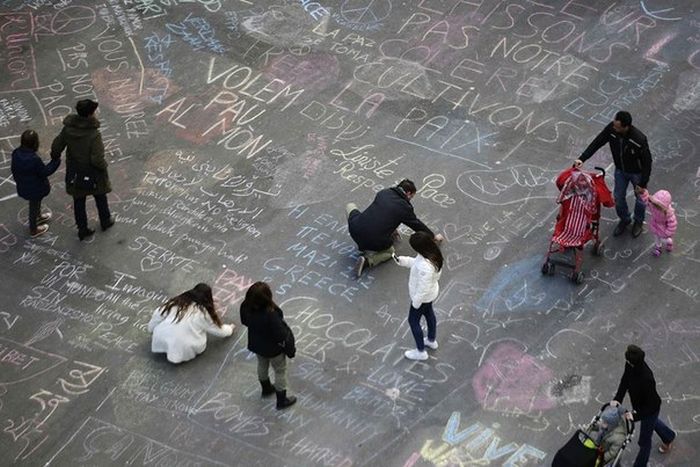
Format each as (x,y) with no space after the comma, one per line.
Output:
(43,218)
(431,344)
(416,354)
(40,230)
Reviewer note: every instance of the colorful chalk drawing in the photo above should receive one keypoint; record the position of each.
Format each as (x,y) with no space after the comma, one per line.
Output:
(512,381)
(475,445)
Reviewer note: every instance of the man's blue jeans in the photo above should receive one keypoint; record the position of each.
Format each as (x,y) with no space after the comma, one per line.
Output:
(414,315)
(622,179)
(649,425)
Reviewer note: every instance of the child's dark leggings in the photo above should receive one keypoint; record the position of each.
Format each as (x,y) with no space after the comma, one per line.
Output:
(34,212)
(414,315)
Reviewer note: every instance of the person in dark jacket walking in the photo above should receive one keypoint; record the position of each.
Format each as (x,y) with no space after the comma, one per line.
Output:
(86,167)
(270,339)
(374,229)
(632,158)
(32,179)
(638,380)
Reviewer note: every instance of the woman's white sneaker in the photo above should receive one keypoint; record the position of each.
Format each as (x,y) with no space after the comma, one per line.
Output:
(431,344)
(416,354)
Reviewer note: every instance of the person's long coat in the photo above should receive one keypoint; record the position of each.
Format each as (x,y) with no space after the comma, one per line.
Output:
(85,153)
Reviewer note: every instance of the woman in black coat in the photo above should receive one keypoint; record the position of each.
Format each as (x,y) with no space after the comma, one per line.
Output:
(270,339)
(32,179)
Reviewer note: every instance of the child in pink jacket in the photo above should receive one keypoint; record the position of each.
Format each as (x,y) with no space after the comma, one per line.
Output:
(663,219)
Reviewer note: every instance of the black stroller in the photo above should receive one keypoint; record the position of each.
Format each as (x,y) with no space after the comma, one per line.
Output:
(582,451)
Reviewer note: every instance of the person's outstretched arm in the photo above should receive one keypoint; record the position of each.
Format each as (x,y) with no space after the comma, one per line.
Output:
(596,144)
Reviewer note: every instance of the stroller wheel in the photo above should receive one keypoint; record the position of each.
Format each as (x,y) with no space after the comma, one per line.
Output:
(598,249)
(577,277)
(548,268)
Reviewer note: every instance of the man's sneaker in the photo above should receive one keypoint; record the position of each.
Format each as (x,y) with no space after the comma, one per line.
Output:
(416,354)
(664,448)
(637,229)
(360,266)
(656,251)
(40,230)
(669,245)
(431,344)
(43,218)
(620,229)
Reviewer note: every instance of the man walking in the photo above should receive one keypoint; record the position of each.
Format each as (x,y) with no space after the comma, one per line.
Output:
(632,158)
(638,380)
(86,167)
(374,229)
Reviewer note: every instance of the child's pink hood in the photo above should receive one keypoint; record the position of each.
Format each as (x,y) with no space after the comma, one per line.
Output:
(663,197)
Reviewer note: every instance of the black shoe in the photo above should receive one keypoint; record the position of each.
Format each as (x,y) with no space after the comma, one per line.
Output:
(83,234)
(283,401)
(360,266)
(108,224)
(637,229)
(267,388)
(620,229)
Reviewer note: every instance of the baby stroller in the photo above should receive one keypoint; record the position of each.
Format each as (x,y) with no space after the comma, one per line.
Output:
(580,197)
(582,451)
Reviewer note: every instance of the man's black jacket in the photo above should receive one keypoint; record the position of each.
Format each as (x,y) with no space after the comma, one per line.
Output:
(372,228)
(632,156)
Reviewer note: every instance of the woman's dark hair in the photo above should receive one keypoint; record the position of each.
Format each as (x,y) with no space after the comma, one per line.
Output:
(200,295)
(29,140)
(425,245)
(259,297)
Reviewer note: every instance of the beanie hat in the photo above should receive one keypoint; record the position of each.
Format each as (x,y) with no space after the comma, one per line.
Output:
(634,355)
(611,416)
(86,107)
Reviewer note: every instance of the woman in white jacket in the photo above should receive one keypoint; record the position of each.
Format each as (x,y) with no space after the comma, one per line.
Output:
(181,325)
(423,288)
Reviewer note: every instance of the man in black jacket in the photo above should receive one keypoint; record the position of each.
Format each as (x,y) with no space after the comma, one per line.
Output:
(639,381)
(632,158)
(374,230)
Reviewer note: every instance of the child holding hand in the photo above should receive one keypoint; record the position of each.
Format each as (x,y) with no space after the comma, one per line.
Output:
(663,219)
(423,288)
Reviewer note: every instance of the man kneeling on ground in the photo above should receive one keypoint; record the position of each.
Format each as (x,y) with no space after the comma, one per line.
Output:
(374,229)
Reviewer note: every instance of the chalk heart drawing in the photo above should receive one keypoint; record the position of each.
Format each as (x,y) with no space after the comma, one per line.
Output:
(512,381)
(365,11)
(455,261)
(512,185)
(453,233)
(149,264)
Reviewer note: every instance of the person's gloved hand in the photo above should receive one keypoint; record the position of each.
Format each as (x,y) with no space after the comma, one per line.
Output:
(578,163)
